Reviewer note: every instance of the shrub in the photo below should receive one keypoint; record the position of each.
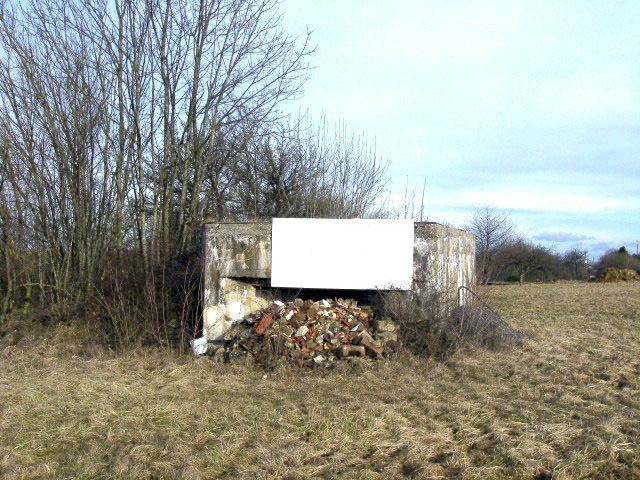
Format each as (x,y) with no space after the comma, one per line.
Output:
(162,307)
(435,326)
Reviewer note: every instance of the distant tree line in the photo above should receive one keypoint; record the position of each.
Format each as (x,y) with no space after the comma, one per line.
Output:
(619,258)
(504,255)
(125,123)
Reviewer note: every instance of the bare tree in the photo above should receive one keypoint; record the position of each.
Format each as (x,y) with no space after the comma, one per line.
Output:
(228,65)
(525,257)
(56,120)
(128,117)
(309,171)
(7,244)
(351,178)
(493,232)
(576,261)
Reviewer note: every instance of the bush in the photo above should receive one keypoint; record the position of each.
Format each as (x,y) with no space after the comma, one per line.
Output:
(126,308)
(160,308)
(436,327)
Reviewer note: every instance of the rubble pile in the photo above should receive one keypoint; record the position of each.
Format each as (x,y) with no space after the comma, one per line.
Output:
(312,333)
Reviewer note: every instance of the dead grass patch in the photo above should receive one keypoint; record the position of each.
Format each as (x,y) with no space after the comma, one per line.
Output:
(552,409)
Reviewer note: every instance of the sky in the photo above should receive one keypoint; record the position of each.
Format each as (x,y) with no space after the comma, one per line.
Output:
(530,107)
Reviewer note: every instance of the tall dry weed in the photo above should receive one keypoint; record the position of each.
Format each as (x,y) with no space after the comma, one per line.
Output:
(435,326)
(159,308)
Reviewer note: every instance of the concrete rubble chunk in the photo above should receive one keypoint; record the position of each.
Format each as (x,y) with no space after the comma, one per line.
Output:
(312,312)
(312,334)
(351,351)
(385,324)
(199,346)
(286,330)
(358,327)
(365,336)
(387,337)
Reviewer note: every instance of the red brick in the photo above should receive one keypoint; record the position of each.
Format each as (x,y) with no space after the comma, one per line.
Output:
(264,324)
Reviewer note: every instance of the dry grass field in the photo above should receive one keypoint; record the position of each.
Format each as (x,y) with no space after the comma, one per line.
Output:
(565,406)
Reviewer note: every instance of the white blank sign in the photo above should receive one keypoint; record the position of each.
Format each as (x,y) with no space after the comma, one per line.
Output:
(342,254)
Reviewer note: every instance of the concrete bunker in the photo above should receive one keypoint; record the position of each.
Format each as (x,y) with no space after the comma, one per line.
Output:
(249,265)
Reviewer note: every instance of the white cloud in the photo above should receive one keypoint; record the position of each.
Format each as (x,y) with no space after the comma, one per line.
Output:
(531,199)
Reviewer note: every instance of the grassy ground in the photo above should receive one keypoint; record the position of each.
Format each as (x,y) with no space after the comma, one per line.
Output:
(558,408)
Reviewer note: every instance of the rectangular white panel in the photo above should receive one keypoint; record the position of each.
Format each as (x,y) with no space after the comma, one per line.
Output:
(342,254)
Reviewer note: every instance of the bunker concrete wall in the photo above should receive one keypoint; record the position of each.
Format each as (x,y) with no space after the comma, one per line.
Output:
(443,260)
(237,261)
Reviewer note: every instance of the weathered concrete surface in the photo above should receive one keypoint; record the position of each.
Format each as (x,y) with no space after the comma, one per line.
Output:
(443,260)
(235,255)
(236,299)
(237,271)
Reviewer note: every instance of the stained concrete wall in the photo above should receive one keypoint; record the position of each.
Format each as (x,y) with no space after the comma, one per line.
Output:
(443,260)
(236,257)
(237,271)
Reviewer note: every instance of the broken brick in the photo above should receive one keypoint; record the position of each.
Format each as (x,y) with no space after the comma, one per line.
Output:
(370,346)
(301,330)
(264,324)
